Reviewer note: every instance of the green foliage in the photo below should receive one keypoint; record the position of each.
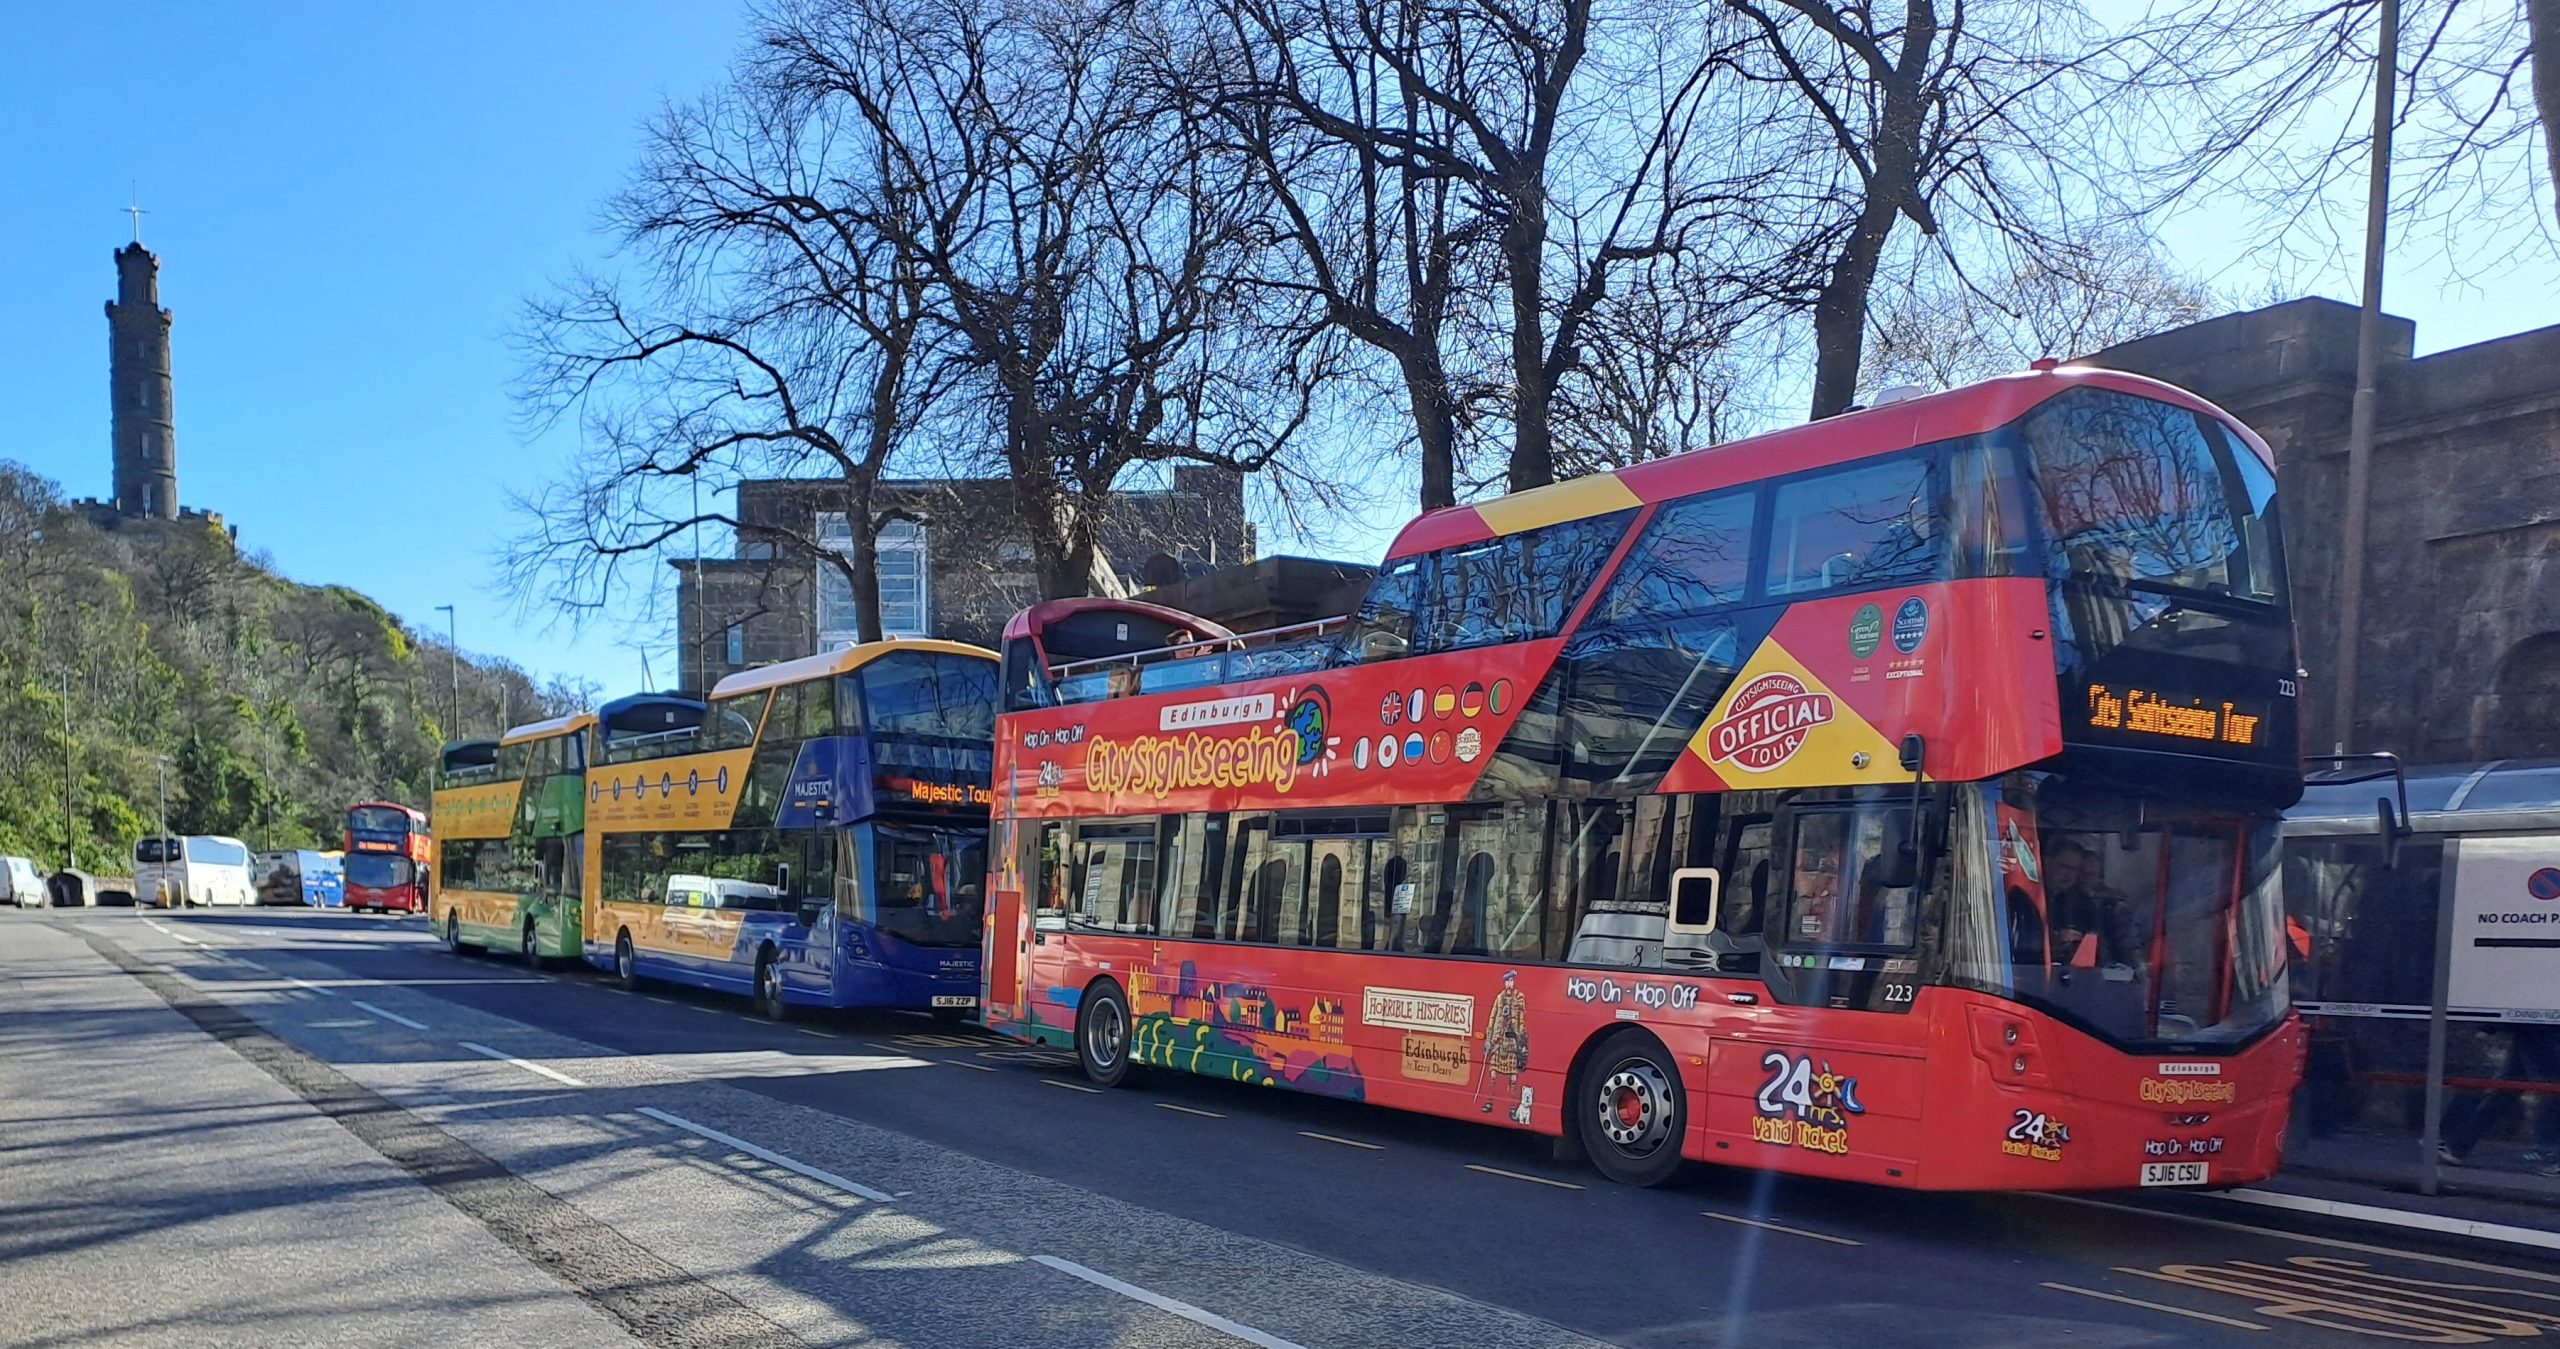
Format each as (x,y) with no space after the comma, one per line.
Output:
(272,705)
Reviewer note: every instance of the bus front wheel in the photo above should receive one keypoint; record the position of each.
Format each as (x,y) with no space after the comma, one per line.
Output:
(1633,1112)
(626,967)
(769,1003)
(453,932)
(531,946)
(1102,1034)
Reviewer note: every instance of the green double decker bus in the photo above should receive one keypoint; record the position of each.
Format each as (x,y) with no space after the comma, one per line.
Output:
(517,889)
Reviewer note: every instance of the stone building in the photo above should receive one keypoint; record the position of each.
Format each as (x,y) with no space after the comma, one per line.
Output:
(957,575)
(2461,639)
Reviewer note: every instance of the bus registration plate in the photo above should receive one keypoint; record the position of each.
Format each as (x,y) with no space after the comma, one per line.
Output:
(964,1000)
(2174,1173)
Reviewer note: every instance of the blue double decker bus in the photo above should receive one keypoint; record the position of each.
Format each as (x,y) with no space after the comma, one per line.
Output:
(812,835)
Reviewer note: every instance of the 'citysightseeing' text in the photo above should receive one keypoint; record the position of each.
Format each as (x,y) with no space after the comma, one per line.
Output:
(1159,765)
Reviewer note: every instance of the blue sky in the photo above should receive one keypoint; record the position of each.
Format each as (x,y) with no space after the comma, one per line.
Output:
(351,203)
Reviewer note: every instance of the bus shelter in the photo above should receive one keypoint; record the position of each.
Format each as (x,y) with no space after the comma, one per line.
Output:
(2424,908)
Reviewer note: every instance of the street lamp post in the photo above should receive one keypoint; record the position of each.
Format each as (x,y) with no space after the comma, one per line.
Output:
(163,842)
(453,636)
(70,780)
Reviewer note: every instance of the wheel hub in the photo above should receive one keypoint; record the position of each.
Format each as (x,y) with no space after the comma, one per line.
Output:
(1635,1108)
(1102,1041)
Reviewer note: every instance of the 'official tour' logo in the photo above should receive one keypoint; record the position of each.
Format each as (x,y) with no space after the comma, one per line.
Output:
(1768,723)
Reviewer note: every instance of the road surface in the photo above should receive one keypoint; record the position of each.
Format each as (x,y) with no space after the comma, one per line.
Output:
(285,1127)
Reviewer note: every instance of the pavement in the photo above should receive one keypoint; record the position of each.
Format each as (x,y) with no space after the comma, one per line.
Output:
(291,1127)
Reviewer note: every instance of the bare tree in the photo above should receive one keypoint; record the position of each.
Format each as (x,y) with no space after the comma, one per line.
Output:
(1994,120)
(2282,120)
(779,333)
(1083,249)
(1399,138)
(2542,36)
(1936,325)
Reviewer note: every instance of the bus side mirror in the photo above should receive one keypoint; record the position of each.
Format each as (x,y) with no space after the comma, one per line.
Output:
(2393,829)
(782,877)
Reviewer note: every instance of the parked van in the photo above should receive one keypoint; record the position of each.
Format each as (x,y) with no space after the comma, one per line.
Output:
(20,885)
(197,869)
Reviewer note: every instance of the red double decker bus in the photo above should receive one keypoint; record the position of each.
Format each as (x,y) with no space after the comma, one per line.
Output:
(1889,799)
(388,851)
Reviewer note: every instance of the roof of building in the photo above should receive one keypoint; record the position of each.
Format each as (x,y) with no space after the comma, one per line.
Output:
(827,663)
(1883,429)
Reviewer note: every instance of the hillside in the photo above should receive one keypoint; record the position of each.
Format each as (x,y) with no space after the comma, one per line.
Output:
(274,704)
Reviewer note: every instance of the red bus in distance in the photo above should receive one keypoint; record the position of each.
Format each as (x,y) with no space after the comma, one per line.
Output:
(388,855)
(1836,802)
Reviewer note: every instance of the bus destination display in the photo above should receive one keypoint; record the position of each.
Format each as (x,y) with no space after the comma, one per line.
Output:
(2150,712)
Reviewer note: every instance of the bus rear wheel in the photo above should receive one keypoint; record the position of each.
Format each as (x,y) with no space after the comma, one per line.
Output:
(453,932)
(769,1003)
(1633,1112)
(1102,1034)
(626,968)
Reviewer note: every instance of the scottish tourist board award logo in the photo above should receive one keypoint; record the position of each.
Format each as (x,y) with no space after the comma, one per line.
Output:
(1766,723)
(1866,631)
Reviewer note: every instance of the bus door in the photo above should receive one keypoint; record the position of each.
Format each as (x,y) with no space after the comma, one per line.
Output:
(1844,930)
(1835,1067)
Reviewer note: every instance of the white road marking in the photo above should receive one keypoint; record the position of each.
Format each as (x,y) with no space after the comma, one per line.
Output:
(981,1067)
(388,1015)
(852,1187)
(252,964)
(1160,1302)
(1781,1227)
(2156,1306)
(2395,1217)
(1346,1142)
(1521,1175)
(822,1034)
(1073,1086)
(1204,1114)
(553,1073)
(305,983)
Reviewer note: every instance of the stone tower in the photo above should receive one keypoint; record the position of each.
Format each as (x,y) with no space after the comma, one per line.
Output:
(146,432)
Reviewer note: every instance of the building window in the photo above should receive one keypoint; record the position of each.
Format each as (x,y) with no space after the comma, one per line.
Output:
(737,645)
(905,609)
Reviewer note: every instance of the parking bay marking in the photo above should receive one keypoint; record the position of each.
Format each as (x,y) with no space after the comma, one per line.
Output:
(2155,1306)
(852,1187)
(1781,1227)
(388,1015)
(553,1073)
(1523,1175)
(1175,1306)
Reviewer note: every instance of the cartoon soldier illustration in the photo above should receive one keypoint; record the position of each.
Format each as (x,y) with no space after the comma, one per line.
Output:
(1506,1044)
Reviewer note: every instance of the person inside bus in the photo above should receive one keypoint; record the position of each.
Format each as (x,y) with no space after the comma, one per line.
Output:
(2026,929)
(2086,917)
